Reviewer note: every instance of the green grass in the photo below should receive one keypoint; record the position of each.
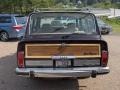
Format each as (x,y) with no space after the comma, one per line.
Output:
(116,28)
(115,23)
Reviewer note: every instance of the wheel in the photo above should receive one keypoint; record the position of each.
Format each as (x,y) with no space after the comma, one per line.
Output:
(4,36)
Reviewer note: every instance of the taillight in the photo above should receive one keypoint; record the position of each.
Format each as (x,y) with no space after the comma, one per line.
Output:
(104,57)
(17,27)
(20,58)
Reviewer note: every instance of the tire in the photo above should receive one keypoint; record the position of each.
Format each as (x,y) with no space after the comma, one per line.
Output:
(4,36)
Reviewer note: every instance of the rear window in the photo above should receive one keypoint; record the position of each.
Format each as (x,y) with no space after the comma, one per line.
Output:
(21,20)
(5,19)
(53,23)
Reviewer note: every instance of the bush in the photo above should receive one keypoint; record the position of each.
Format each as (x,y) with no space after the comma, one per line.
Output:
(112,20)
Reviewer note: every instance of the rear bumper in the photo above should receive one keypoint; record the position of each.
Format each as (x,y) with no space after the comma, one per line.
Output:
(59,72)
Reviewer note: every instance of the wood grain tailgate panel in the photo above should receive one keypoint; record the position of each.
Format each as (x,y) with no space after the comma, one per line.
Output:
(49,50)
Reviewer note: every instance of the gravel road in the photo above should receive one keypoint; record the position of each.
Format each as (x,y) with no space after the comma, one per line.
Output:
(9,80)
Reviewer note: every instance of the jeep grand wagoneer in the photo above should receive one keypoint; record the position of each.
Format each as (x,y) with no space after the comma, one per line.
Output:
(56,48)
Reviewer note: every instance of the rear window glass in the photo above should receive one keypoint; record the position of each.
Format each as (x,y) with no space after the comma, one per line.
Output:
(5,19)
(21,20)
(62,23)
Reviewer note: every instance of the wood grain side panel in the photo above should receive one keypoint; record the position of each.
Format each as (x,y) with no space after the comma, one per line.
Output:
(49,50)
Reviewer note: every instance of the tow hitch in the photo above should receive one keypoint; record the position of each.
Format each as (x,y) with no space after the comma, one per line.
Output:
(94,73)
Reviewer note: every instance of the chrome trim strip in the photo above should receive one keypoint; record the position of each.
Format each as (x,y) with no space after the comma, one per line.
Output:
(62,72)
(39,62)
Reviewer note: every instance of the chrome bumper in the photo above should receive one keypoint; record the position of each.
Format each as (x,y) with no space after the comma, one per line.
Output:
(62,72)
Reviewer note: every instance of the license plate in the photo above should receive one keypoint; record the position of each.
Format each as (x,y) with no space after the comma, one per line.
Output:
(63,61)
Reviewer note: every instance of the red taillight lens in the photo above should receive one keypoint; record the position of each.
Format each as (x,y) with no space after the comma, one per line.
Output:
(20,58)
(104,57)
(17,27)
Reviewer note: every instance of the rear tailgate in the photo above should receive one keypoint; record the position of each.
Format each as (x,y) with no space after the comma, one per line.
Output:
(65,55)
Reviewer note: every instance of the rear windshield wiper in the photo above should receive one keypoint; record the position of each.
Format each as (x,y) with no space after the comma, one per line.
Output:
(74,33)
(57,29)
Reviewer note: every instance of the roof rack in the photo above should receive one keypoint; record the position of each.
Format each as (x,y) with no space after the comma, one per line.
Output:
(61,9)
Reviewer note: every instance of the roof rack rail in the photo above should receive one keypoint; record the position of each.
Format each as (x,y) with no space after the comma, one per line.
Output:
(61,9)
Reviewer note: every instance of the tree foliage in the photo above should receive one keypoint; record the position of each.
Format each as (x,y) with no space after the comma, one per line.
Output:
(23,6)
(26,6)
